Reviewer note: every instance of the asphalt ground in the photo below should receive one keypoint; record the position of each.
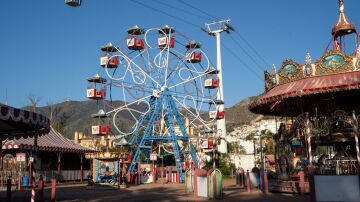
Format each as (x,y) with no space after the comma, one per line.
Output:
(150,192)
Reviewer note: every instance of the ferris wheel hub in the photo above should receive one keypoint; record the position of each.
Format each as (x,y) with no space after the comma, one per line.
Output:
(163,88)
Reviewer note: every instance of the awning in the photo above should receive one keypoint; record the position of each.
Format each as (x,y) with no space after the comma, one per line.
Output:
(16,123)
(300,89)
(53,141)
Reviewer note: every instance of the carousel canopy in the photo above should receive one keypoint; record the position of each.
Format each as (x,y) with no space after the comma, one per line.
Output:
(331,82)
(17,123)
(52,141)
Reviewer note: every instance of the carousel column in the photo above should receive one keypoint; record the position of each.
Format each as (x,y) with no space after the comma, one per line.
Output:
(310,168)
(356,132)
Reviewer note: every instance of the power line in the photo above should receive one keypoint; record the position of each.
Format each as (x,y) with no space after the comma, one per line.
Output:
(252,48)
(203,12)
(170,15)
(241,61)
(182,10)
(194,25)
(237,33)
(252,59)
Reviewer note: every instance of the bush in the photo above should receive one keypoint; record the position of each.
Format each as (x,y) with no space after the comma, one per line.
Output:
(223,164)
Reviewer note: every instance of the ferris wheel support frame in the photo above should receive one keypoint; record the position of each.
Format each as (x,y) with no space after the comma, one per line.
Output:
(165,99)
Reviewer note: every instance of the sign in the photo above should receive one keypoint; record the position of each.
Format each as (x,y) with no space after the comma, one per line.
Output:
(31,159)
(153,157)
(21,157)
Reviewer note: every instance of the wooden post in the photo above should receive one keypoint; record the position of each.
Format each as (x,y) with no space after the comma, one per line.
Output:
(58,167)
(30,169)
(8,189)
(266,182)
(81,168)
(261,180)
(302,182)
(40,189)
(19,182)
(242,179)
(53,189)
(248,181)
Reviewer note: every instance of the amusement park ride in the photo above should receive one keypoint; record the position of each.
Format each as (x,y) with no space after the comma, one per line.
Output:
(323,140)
(162,78)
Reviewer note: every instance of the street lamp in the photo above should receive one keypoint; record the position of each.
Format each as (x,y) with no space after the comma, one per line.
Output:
(122,142)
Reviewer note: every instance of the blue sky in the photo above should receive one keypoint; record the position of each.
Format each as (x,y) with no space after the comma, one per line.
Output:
(48,49)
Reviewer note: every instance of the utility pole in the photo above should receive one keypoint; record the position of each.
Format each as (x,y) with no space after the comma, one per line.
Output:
(215,29)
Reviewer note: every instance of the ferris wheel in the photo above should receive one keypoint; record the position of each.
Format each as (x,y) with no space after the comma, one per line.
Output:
(167,87)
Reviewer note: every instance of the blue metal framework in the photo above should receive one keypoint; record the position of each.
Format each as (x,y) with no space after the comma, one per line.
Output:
(163,104)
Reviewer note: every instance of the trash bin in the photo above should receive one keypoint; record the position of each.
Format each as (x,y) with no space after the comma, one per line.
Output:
(240,178)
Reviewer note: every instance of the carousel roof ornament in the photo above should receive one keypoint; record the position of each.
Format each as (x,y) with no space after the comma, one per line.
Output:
(308,59)
(343,25)
(274,68)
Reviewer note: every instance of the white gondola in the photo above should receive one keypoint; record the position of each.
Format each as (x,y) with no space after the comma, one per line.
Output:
(134,42)
(216,115)
(194,57)
(95,94)
(163,40)
(206,144)
(100,130)
(211,83)
(109,63)
(73,3)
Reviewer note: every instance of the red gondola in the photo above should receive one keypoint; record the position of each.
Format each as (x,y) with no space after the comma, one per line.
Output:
(109,63)
(100,130)
(194,57)
(164,36)
(95,94)
(211,83)
(134,42)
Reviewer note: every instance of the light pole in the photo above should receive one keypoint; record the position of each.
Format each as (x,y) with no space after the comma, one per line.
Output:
(214,29)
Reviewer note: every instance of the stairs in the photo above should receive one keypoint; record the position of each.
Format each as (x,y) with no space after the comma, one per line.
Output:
(292,187)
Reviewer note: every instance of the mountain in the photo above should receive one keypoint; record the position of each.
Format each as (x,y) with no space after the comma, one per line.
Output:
(239,113)
(76,115)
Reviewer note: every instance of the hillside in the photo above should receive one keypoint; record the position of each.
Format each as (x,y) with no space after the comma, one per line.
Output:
(76,115)
(239,113)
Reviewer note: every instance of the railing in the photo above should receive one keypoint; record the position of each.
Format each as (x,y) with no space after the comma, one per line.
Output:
(65,175)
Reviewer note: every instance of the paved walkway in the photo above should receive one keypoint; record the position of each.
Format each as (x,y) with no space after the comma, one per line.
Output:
(150,192)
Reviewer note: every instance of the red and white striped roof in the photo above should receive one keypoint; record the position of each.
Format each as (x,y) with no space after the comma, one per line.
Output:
(53,141)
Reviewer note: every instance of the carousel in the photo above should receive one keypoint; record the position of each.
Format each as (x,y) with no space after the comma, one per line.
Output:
(319,102)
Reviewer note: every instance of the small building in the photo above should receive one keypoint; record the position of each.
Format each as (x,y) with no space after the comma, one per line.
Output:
(53,155)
